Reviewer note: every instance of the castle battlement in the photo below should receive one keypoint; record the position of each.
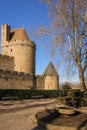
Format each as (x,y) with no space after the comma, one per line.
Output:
(17,63)
(6,62)
(6,57)
(16,43)
(15,74)
(15,80)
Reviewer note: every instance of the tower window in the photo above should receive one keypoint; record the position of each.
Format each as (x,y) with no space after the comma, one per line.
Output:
(11,49)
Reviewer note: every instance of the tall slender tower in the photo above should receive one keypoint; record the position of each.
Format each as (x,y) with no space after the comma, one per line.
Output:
(5,33)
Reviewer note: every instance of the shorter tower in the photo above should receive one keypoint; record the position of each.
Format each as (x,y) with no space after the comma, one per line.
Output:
(51,78)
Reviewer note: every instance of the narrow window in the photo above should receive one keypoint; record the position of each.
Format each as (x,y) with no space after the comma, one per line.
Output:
(11,49)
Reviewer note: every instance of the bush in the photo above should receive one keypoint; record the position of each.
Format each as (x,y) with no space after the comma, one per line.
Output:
(67,85)
(76,98)
(74,93)
(85,94)
(29,94)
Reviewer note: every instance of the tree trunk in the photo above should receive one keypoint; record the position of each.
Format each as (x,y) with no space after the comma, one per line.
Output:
(81,78)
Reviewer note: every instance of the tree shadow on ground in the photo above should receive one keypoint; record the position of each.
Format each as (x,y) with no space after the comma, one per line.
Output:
(82,124)
(38,128)
(10,110)
(79,120)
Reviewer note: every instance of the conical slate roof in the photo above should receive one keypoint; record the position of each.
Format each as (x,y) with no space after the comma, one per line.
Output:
(19,34)
(50,70)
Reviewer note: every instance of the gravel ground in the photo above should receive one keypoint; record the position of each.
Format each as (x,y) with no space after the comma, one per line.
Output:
(20,115)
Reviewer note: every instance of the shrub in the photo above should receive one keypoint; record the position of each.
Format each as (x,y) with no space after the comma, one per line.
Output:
(28,94)
(74,93)
(76,98)
(67,85)
(85,94)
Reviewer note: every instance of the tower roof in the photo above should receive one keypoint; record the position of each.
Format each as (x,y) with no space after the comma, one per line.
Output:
(50,70)
(19,34)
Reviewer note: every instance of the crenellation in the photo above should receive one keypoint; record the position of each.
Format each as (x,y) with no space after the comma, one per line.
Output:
(20,47)
(17,63)
(6,57)
(7,72)
(1,71)
(6,62)
(14,78)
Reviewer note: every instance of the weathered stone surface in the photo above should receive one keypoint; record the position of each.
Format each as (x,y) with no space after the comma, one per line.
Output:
(17,63)
(15,43)
(15,80)
(6,62)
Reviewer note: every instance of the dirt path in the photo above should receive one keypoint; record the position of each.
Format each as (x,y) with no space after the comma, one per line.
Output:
(20,115)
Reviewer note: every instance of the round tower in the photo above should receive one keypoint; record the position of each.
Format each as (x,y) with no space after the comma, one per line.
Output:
(21,48)
(25,57)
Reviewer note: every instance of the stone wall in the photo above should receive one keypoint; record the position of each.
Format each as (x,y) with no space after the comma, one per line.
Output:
(23,51)
(39,82)
(51,82)
(15,80)
(46,82)
(6,62)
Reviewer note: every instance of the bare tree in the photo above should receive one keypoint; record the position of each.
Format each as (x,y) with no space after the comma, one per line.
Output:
(68,30)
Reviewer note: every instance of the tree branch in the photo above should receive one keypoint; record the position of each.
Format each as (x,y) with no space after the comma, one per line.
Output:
(69,39)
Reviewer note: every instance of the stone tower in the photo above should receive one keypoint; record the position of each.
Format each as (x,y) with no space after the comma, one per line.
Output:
(15,43)
(51,78)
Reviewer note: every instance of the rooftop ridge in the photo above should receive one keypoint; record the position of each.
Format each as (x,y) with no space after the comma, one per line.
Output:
(19,34)
(50,70)
(17,29)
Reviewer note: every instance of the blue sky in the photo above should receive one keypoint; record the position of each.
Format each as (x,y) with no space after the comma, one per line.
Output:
(28,14)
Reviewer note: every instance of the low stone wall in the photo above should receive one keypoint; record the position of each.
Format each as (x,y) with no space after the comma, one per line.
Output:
(15,80)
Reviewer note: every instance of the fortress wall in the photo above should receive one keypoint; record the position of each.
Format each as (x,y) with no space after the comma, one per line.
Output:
(15,80)
(39,82)
(6,62)
(51,82)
